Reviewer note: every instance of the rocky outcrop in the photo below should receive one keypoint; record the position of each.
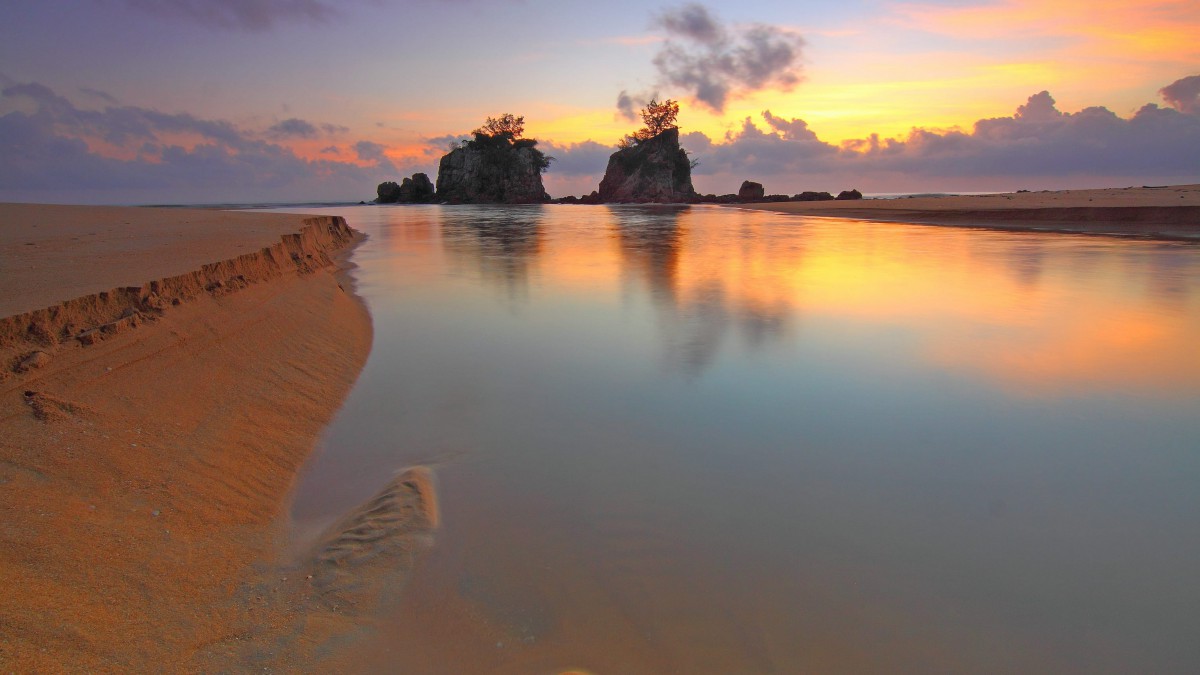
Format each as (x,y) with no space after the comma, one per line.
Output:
(845,195)
(416,190)
(809,196)
(387,192)
(654,170)
(751,191)
(492,171)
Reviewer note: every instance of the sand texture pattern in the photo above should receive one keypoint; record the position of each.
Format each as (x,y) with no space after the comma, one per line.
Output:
(1169,212)
(153,415)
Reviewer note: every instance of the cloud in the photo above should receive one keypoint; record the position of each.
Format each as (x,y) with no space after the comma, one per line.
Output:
(1183,94)
(1038,145)
(1037,141)
(102,95)
(252,15)
(298,128)
(52,150)
(578,159)
(713,62)
(626,107)
(293,127)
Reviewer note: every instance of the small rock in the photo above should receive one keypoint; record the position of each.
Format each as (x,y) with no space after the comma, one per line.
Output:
(37,359)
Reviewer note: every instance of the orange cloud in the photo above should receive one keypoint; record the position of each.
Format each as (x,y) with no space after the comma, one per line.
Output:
(1156,28)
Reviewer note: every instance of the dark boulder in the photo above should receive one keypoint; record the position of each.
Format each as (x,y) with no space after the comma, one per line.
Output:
(751,191)
(813,197)
(387,192)
(416,190)
(845,195)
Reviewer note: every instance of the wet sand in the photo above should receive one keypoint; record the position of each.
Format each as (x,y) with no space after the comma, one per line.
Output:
(166,372)
(1169,212)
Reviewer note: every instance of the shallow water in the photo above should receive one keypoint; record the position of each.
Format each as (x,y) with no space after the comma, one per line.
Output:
(674,439)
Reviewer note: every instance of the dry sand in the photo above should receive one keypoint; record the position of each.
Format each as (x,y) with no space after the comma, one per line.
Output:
(150,434)
(1171,212)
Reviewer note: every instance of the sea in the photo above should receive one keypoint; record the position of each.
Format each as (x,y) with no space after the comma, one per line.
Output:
(698,439)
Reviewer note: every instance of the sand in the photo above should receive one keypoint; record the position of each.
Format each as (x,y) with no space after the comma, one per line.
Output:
(166,373)
(1170,212)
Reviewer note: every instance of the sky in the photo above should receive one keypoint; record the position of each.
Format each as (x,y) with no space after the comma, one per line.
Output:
(217,101)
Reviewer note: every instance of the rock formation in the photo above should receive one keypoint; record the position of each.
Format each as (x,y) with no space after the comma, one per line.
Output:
(653,170)
(849,194)
(387,192)
(415,190)
(493,170)
(751,191)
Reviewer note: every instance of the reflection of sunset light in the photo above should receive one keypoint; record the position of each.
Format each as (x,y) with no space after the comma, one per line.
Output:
(1035,313)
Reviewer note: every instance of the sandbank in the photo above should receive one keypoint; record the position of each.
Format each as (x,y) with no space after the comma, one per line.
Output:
(166,372)
(1169,212)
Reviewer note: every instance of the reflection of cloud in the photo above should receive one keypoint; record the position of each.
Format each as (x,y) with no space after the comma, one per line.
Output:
(502,243)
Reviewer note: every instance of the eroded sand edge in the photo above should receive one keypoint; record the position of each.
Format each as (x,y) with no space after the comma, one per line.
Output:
(145,460)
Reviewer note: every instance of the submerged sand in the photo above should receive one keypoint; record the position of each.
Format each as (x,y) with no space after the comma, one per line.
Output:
(144,470)
(1168,212)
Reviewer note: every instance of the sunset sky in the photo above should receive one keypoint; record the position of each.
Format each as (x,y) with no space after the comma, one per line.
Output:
(168,101)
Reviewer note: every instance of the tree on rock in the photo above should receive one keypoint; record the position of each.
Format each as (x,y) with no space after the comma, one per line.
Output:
(658,117)
(508,126)
(649,165)
(496,166)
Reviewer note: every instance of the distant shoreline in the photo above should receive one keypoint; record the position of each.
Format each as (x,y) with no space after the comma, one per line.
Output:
(1167,213)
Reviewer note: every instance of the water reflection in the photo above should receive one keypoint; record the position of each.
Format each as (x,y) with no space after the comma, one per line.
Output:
(722,441)
(504,246)
(696,307)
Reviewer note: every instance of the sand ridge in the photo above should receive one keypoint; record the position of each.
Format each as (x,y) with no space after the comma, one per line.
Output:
(144,476)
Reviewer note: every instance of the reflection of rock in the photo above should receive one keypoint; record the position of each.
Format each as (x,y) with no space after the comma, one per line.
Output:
(501,244)
(654,170)
(849,194)
(697,312)
(751,191)
(650,239)
(492,172)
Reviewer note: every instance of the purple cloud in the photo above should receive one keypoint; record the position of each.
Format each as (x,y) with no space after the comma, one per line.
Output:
(1183,94)
(712,62)
(1038,142)
(253,15)
(45,156)
(298,128)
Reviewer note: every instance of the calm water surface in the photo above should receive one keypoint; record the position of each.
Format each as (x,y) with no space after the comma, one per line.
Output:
(690,440)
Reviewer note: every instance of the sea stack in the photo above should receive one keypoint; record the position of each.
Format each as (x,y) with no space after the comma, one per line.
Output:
(654,170)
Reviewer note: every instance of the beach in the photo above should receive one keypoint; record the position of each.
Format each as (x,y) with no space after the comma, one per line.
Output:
(166,374)
(1168,212)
